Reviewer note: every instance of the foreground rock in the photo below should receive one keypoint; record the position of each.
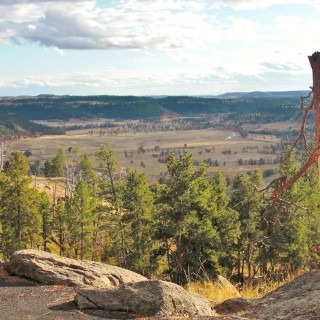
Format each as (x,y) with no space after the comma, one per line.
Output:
(49,268)
(299,300)
(148,298)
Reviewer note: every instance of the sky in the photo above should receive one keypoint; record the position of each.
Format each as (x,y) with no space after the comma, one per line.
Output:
(156,47)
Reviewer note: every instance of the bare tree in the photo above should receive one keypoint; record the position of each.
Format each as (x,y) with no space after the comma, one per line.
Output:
(314,60)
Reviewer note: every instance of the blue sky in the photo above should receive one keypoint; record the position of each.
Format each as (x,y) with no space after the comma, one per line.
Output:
(156,47)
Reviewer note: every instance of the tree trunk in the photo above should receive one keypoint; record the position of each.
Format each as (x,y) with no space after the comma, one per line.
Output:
(315,66)
(180,259)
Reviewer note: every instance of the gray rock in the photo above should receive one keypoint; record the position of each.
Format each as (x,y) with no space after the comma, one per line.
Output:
(227,286)
(49,268)
(297,300)
(147,298)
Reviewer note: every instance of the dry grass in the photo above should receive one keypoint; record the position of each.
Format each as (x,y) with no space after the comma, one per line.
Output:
(192,141)
(262,289)
(216,293)
(210,290)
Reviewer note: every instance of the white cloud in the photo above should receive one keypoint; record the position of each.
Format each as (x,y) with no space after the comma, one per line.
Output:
(131,24)
(115,79)
(259,4)
(242,30)
(19,2)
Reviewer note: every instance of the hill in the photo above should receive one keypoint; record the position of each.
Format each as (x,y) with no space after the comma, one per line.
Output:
(14,126)
(261,94)
(46,107)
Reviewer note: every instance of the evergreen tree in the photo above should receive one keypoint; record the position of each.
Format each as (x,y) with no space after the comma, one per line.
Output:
(115,248)
(227,223)
(19,207)
(137,219)
(186,212)
(80,222)
(250,205)
(56,167)
(46,219)
(60,225)
(294,230)
(87,172)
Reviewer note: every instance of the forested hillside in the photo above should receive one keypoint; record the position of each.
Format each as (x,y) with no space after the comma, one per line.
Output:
(271,108)
(14,126)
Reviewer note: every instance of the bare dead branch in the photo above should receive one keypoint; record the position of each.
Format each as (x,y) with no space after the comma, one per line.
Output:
(290,204)
(281,179)
(303,124)
(303,98)
(301,173)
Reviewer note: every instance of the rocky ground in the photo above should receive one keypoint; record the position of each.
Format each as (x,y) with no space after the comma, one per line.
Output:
(21,299)
(25,299)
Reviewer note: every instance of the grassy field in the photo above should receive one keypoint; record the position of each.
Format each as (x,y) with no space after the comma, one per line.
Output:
(222,146)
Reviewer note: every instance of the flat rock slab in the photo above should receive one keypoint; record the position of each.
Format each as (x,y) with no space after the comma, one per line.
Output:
(147,298)
(47,268)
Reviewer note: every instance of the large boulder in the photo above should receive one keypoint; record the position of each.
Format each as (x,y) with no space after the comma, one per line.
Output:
(297,300)
(147,298)
(49,268)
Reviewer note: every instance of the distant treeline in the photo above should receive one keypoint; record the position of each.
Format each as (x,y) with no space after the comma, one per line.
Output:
(131,107)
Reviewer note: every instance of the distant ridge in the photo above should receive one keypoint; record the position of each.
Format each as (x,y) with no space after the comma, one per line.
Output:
(263,94)
(270,106)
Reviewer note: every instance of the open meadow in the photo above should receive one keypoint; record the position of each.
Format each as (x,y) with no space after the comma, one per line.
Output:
(223,150)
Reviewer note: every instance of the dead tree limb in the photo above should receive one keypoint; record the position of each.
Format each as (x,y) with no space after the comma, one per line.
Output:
(287,184)
(303,124)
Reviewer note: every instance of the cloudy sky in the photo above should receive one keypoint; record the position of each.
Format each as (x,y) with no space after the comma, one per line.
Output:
(156,47)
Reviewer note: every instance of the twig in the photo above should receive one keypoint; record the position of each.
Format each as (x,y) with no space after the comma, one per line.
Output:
(281,179)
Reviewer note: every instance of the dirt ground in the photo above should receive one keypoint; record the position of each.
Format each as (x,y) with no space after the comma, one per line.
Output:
(21,299)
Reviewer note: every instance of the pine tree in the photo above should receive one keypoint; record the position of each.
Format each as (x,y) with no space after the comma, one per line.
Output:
(87,172)
(294,230)
(80,221)
(115,248)
(137,219)
(227,223)
(56,167)
(46,219)
(250,205)
(19,207)
(60,225)
(186,213)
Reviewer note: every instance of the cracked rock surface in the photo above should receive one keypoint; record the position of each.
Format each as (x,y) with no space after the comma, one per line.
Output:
(48,268)
(149,298)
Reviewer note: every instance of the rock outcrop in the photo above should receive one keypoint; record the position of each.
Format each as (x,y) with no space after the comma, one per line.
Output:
(299,300)
(47,268)
(147,298)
